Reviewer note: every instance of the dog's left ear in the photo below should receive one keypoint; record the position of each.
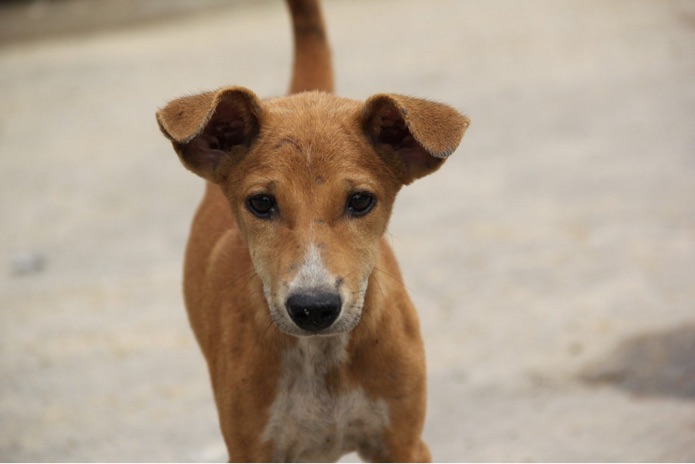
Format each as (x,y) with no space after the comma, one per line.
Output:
(414,136)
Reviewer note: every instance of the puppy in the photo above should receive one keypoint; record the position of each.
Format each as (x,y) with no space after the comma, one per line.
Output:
(312,343)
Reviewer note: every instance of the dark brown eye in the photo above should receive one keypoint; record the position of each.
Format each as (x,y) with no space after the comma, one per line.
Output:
(360,204)
(262,206)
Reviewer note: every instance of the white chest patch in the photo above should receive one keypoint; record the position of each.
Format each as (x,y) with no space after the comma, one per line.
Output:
(310,423)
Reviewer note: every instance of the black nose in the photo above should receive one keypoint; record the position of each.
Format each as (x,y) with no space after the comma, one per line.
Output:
(314,311)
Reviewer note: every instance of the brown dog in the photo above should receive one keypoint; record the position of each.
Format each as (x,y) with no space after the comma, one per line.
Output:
(295,297)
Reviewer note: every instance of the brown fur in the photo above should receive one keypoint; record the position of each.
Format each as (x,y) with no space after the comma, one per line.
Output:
(310,151)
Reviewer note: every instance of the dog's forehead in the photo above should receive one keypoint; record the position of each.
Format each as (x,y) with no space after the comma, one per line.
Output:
(311,113)
(314,128)
(296,162)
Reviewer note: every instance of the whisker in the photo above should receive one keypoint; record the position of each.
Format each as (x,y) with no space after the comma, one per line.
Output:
(378,284)
(388,274)
(249,280)
(268,327)
(399,280)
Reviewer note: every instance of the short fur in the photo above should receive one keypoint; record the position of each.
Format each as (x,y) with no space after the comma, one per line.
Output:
(287,391)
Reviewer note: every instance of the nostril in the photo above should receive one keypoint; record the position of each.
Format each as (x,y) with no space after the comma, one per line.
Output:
(314,311)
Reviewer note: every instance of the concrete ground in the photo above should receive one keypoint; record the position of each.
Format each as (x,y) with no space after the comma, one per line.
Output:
(552,259)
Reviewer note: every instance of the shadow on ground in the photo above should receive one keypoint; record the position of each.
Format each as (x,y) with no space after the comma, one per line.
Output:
(651,364)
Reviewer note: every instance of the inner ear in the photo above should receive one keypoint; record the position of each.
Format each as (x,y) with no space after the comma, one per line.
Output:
(227,135)
(226,129)
(394,140)
(393,131)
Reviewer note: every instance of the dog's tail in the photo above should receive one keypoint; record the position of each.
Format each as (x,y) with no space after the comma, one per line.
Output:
(312,55)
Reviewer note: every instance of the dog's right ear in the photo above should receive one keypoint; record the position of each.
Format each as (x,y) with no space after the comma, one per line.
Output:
(211,129)
(413,135)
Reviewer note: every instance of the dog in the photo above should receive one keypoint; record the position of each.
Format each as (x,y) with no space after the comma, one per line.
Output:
(293,293)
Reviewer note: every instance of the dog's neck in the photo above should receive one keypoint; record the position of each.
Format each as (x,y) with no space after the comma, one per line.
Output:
(316,356)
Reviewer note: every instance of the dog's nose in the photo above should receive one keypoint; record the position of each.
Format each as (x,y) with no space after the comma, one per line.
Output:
(314,311)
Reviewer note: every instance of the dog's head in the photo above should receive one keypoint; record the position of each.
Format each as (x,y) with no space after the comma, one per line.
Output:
(311,180)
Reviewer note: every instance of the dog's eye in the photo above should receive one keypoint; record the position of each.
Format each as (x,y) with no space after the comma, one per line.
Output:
(360,204)
(263,206)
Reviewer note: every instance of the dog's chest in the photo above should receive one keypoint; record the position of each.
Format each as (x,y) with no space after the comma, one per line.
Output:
(310,421)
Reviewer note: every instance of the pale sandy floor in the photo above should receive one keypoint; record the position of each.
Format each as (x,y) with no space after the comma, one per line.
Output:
(552,259)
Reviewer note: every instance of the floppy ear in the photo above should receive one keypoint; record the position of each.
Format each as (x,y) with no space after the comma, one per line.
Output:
(210,129)
(414,136)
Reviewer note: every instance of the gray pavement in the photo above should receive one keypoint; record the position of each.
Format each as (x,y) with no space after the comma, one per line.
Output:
(552,259)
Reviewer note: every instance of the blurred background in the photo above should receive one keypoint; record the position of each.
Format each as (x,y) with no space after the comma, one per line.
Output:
(552,259)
